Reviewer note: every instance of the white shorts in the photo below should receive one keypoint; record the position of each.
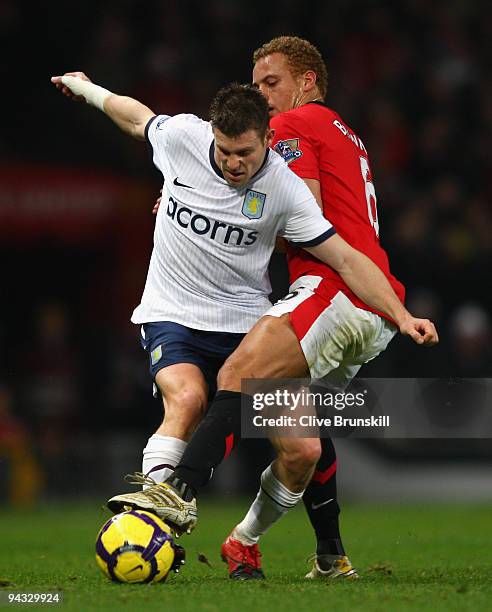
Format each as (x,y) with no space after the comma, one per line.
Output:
(336,337)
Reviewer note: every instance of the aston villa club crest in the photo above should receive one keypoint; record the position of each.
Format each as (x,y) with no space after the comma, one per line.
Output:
(253,204)
(156,354)
(288,149)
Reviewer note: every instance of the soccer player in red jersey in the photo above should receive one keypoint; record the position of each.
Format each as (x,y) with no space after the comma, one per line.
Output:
(333,161)
(328,155)
(321,329)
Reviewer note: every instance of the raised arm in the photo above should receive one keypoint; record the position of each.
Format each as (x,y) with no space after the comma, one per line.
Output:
(368,282)
(128,114)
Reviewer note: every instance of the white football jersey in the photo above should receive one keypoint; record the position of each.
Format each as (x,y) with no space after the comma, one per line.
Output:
(213,242)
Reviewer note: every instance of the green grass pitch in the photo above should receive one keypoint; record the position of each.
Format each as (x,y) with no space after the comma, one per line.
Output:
(410,558)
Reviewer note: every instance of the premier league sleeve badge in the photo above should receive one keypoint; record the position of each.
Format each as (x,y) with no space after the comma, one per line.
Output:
(288,149)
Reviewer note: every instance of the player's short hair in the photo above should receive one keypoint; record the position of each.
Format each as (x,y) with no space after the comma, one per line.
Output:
(239,108)
(301,56)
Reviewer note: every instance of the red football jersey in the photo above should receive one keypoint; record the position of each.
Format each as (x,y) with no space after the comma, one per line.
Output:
(317,144)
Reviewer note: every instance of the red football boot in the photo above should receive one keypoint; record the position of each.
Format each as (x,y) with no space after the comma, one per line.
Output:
(244,561)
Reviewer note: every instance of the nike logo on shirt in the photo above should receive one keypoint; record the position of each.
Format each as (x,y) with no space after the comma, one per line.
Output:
(178,184)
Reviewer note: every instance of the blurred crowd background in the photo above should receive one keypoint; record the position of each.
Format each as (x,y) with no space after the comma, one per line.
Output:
(411,77)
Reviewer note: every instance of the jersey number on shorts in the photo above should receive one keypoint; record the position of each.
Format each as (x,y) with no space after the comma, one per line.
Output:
(372,210)
(289,296)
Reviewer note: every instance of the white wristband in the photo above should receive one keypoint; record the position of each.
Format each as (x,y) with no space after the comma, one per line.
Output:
(93,94)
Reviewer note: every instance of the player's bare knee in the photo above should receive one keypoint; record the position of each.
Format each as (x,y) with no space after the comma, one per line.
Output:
(231,373)
(187,407)
(309,453)
(302,456)
(192,401)
(273,325)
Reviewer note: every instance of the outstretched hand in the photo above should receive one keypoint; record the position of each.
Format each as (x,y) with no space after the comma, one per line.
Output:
(57,81)
(421,331)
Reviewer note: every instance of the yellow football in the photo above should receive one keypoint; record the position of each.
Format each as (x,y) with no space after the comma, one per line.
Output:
(137,546)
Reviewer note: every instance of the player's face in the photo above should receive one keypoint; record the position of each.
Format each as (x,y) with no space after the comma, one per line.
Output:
(272,75)
(241,157)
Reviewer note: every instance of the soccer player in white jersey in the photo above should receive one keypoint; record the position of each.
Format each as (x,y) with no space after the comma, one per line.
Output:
(225,197)
(225,200)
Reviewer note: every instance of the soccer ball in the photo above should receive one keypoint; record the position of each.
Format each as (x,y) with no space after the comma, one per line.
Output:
(137,546)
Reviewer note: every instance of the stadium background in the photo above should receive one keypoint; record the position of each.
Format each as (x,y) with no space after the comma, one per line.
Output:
(76,225)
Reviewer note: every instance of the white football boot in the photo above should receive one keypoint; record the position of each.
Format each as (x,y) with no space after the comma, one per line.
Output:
(159,498)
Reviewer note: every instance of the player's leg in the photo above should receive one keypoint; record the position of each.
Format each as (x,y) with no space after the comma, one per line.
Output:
(296,459)
(368,335)
(321,503)
(282,484)
(184,390)
(240,549)
(320,497)
(176,367)
(184,363)
(282,487)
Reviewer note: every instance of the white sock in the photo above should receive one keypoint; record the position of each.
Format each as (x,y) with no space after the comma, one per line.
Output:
(271,503)
(161,455)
